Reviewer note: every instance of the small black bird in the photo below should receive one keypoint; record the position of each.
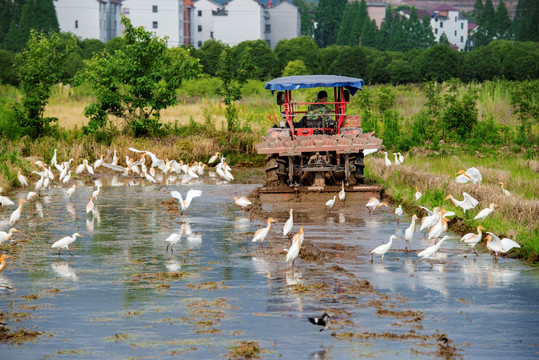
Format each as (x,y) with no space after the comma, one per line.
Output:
(321,321)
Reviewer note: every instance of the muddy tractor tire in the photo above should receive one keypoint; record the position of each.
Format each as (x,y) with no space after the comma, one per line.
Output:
(275,171)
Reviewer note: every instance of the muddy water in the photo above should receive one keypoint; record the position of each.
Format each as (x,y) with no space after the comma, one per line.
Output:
(122,294)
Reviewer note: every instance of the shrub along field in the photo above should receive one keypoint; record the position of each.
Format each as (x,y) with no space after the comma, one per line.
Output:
(440,129)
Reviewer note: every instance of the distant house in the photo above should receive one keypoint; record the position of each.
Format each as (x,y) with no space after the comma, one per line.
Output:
(377,11)
(240,20)
(95,19)
(203,18)
(164,18)
(446,20)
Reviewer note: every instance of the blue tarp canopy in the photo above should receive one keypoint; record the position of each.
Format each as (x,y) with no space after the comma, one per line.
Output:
(313,81)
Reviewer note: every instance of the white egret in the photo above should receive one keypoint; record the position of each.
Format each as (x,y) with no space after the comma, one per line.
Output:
(95,194)
(90,206)
(6,236)
(409,232)
(398,213)
(261,234)
(466,204)
(53,160)
(3,261)
(397,161)
(5,201)
(191,194)
(401,158)
(31,195)
(439,228)
(242,202)
(417,194)
(288,224)
(342,193)
(505,192)
(214,158)
(172,240)
(485,212)
(431,219)
(16,214)
(497,246)
(472,174)
(431,250)
(71,190)
(98,162)
(64,242)
(388,162)
(330,202)
(67,178)
(382,249)
(472,239)
(293,252)
(374,204)
(22,179)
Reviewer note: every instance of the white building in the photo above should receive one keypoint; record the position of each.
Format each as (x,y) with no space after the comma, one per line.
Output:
(91,19)
(203,19)
(446,20)
(170,18)
(241,20)
(284,22)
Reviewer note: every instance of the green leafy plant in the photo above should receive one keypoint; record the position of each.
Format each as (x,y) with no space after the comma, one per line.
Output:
(137,82)
(38,68)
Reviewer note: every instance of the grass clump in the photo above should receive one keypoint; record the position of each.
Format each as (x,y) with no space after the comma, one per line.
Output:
(245,350)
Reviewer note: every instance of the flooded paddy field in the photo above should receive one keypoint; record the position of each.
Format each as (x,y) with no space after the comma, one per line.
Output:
(214,294)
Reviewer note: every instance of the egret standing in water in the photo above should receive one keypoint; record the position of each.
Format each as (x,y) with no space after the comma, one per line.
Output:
(374,204)
(342,193)
(22,179)
(431,250)
(398,213)
(289,224)
(293,252)
(16,215)
(5,236)
(242,202)
(261,234)
(3,261)
(472,239)
(330,202)
(382,249)
(409,232)
(64,242)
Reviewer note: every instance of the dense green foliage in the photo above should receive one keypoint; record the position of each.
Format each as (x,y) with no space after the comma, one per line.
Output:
(136,83)
(38,68)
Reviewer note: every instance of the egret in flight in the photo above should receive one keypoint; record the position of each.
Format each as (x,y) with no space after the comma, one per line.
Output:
(191,194)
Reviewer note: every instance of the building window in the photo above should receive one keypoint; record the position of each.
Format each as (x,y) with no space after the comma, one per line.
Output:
(154,8)
(455,19)
(199,28)
(76,24)
(462,39)
(441,24)
(455,32)
(211,34)
(199,12)
(436,20)
(199,44)
(154,25)
(462,25)
(268,28)
(435,31)
(125,11)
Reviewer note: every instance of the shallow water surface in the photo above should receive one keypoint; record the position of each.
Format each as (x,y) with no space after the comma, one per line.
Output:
(124,294)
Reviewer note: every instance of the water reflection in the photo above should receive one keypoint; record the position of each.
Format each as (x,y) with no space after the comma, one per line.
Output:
(324,354)
(293,277)
(62,269)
